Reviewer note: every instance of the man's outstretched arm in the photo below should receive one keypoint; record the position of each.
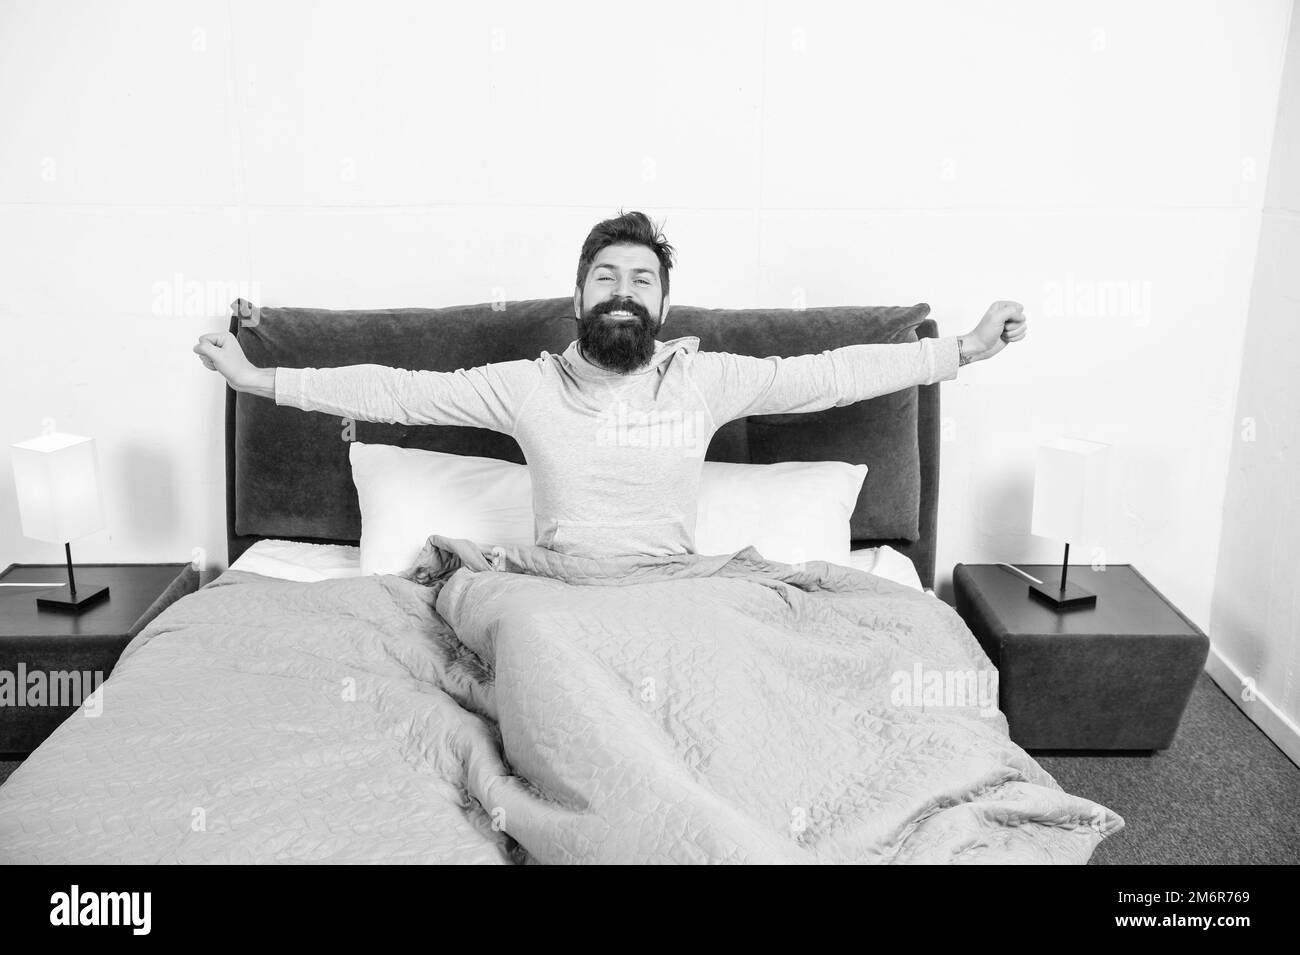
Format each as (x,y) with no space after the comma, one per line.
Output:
(738,385)
(488,396)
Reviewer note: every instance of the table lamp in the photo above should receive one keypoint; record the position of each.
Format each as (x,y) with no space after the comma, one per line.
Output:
(1069,504)
(57,479)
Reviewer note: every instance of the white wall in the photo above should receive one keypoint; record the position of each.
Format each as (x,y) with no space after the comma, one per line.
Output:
(405,153)
(1255,616)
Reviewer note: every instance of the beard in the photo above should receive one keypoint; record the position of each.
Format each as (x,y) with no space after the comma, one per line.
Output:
(619,344)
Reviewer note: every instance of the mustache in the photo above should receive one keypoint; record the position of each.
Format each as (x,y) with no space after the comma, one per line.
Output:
(621,305)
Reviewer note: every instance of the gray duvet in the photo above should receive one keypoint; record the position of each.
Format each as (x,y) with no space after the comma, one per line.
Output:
(521,705)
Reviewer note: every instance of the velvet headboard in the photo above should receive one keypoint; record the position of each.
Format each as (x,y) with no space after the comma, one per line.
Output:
(288,474)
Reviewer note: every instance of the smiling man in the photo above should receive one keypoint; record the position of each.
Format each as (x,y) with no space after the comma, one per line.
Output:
(614,428)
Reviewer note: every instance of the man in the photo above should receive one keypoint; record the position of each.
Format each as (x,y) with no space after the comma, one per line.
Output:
(614,429)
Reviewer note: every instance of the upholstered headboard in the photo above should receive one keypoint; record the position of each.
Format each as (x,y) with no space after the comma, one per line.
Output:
(288,474)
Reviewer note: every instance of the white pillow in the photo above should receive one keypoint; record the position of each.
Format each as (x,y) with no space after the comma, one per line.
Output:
(406,494)
(792,512)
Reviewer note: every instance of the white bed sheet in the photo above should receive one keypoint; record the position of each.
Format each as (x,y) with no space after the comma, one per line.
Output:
(295,560)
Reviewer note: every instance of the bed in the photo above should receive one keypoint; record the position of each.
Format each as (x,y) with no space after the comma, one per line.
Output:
(510,704)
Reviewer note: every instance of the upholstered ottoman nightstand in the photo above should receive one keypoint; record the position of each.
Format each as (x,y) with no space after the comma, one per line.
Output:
(1114,676)
(51,660)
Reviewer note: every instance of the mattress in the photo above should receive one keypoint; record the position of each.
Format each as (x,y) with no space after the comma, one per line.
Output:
(296,560)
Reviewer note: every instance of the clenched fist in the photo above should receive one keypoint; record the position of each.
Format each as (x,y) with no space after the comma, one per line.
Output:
(1001,325)
(220,352)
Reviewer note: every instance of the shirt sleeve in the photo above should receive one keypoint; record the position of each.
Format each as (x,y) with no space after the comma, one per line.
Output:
(486,396)
(734,386)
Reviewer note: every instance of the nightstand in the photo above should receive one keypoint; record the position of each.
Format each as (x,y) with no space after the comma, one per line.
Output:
(51,660)
(1115,676)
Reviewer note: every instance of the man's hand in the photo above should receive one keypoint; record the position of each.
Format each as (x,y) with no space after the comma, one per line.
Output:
(1001,325)
(220,352)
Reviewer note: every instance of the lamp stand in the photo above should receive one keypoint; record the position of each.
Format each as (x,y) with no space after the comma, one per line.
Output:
(74,602)
(1065,596)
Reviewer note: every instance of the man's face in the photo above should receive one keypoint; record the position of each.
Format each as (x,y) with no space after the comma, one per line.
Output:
(621,307)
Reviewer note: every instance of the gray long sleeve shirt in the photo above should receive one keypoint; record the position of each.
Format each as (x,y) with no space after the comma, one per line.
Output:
(615,459)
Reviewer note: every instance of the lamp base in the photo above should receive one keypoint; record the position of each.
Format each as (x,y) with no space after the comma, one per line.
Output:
(1071,598)
(85,598)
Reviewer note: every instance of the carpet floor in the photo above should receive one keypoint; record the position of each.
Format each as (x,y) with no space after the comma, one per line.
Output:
(1223,793)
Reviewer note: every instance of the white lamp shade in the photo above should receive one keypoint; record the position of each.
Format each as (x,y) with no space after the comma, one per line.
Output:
(57,479)
(1070,490)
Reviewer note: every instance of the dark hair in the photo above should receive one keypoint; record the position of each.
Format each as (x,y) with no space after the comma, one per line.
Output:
(629,227)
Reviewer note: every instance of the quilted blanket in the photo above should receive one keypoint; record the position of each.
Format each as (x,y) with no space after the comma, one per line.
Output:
(519,705)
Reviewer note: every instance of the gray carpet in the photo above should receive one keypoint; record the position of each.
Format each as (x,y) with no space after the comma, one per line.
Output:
(1223,793)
